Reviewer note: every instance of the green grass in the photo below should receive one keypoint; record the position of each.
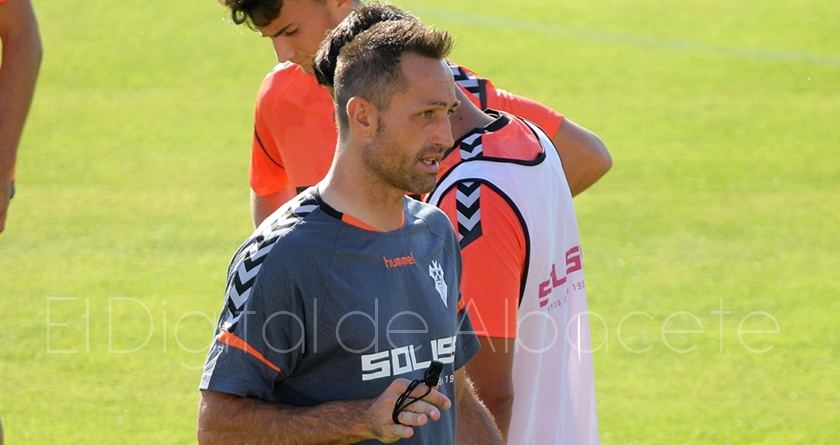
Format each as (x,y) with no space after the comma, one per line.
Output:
(721,118)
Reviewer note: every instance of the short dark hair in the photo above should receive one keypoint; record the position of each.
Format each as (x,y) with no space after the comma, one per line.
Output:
(361,57)
(357,21)
(254,13)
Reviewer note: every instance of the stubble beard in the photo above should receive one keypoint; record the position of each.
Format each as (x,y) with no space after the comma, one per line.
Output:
(384,159)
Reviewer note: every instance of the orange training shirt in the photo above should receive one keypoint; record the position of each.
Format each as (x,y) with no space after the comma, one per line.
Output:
(295,131)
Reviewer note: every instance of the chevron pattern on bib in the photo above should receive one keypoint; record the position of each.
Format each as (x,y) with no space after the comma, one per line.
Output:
(468,207)
(471,147)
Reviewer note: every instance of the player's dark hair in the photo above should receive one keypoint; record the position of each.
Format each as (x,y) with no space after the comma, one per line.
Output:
(254,13)
(357,21)
(367,63)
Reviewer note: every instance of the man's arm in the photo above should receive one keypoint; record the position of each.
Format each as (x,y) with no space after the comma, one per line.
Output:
(475,424)
(490,371)
(229,419)
(585,157)
(21,61)
(263,206)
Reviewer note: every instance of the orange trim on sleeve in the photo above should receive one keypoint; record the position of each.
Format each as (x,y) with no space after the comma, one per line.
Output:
(233,340)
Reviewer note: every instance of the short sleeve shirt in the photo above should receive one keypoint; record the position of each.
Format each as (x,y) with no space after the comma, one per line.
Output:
(319,309)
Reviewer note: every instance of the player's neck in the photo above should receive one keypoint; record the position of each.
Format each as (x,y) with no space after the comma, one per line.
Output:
(378,206)
(467,117)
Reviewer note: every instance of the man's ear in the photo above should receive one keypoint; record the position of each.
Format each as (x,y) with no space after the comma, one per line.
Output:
(363,117)
(340,8)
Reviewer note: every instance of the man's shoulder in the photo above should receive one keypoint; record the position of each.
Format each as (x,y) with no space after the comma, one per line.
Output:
(421,209)
(284,71)
(283,240)
(516,139)
(280,224)
(433,217)
(507,138)
(289,215)
(284,77)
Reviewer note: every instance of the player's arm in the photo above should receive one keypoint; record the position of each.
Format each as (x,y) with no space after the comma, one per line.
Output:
(21,61)
(264,205)
(229,419)
(490,371)
(475,424)
(584,155)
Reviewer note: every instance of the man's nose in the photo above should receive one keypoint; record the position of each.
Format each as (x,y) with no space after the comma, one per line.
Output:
(443,135)
(282,49)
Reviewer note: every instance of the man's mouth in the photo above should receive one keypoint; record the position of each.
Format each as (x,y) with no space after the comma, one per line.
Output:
(431,163)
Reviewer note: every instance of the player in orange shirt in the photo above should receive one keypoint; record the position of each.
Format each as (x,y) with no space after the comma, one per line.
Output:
(294,132)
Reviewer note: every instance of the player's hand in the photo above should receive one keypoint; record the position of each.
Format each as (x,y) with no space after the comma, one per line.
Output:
(417,414)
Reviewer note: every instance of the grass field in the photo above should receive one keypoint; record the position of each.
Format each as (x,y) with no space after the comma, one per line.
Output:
(711,248)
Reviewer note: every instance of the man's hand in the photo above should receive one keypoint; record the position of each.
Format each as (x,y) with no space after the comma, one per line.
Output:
(417,414)
(228,419)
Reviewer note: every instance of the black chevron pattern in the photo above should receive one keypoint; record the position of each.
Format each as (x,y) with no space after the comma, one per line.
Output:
(248,260)
(468,208)
(475,85)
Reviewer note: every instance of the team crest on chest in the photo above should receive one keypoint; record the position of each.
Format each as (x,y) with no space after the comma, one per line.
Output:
(436,272)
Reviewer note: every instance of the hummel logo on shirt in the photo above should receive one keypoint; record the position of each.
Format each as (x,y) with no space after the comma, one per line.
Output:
(399,261)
